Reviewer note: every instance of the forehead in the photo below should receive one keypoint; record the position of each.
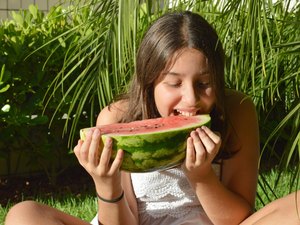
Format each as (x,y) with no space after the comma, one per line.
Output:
(187,60)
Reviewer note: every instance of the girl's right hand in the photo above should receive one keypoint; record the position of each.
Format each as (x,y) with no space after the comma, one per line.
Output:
(96,161)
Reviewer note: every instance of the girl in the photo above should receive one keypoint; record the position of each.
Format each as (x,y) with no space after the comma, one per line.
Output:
(179,71)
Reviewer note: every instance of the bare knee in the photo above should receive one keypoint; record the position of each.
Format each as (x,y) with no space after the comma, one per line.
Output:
(280,211)
(30,212)
(23,213)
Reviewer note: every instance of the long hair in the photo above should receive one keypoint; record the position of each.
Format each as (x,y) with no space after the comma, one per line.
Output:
(167,35)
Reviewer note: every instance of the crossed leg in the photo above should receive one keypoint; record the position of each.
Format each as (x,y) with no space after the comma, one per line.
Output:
(30,212)
(285,210)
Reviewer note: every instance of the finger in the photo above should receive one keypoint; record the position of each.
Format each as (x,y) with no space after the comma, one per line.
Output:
(106,154)
(116,165)
(210,146)
(190,152)
(199,148)
(206,140)
(93,154)
(77,149)
(215,136)
(84,150)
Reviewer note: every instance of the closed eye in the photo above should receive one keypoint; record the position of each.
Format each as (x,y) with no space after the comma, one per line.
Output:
(203,84)
(175,85)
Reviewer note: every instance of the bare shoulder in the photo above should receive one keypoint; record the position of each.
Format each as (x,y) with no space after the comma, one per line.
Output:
(239,107)
(112,113)
(241,113)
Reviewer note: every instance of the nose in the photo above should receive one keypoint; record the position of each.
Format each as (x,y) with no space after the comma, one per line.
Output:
(190,95)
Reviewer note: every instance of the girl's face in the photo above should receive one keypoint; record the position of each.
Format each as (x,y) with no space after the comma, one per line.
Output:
(185,87)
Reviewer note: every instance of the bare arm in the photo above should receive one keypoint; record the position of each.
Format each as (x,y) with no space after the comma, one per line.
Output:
(232,200)
(109,180)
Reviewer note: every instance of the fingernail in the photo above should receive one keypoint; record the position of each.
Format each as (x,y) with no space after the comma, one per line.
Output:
(108,141)
(90,132)
(96,132)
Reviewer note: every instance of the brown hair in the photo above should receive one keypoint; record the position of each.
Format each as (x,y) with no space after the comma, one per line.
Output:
(168,34)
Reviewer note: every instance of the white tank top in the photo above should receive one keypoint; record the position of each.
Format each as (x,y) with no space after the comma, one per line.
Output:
(166,197)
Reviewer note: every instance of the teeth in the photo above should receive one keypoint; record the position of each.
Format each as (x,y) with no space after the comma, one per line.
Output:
(184,113)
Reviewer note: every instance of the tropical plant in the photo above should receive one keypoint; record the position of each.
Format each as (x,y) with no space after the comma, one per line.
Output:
(262,45)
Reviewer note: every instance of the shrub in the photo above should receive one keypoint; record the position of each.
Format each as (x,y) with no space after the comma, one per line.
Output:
(27,72)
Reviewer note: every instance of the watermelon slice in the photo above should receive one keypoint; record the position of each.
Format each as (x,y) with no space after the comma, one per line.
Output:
(152,144)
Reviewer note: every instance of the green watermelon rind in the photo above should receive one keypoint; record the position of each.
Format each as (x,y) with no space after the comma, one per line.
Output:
(152,151)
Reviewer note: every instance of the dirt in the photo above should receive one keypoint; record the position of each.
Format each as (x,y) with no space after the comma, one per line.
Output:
(74,181)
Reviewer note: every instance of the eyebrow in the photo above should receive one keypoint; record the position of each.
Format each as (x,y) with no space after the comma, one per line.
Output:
(201,73)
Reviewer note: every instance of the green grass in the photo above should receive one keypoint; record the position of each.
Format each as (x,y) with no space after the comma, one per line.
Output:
(85,206)
(274,184)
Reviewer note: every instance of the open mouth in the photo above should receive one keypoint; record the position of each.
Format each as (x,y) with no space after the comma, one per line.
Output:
(178,112)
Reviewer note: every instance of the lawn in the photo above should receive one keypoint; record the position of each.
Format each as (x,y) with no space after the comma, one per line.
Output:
(84,204)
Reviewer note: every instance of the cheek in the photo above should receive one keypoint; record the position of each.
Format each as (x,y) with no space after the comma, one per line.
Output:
(209,92)
(158,98)
(165,100)
(210,96)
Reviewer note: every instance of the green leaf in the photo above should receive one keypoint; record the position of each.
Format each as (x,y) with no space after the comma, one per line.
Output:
(4,89)
(39,120)
(2,72)
(18,18)
(33,9)
(62,42)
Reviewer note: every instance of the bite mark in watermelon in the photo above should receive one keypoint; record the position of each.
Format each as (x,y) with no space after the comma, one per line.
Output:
(152,144)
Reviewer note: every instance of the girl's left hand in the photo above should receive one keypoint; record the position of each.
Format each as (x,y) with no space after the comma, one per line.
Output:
(202,147)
